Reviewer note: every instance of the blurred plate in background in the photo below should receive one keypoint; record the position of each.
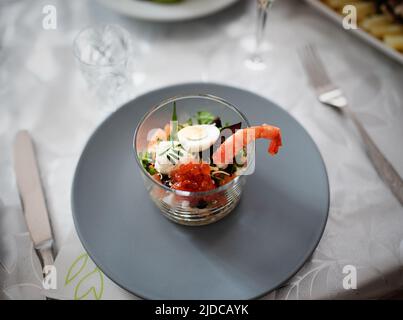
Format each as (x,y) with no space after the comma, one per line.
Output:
(185,10)
(378,44)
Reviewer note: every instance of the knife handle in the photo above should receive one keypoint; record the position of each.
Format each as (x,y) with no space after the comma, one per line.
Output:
(384,168)
(31,192)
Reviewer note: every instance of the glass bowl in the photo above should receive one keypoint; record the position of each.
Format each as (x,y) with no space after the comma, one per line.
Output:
(184,207)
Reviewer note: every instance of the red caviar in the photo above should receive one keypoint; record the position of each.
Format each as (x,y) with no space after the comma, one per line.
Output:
(192,177)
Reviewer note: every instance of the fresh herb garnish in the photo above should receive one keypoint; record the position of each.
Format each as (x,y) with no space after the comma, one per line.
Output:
(152,170)
(165,151)
(173,155)
(146,161)
(174,124)
(174,116)
(204,117)
(173,152)
(145,156)
(170,160)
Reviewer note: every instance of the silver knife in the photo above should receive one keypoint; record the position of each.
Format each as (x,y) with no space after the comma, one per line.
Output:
(384,168)
(32,197)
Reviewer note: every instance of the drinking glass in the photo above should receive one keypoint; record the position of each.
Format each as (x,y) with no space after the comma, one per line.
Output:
(256,60)
(248,53)
(104,57)
(185,207)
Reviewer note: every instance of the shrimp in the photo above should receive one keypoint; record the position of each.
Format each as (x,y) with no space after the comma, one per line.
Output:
(156,136)
(243,137)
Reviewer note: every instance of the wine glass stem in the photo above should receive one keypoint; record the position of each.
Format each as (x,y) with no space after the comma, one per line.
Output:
(263,11)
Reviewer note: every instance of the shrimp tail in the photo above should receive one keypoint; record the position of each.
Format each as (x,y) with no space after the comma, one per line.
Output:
(275,143)
(245,136)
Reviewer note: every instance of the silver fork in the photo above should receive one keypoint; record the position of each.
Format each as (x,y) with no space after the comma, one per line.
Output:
(331,95)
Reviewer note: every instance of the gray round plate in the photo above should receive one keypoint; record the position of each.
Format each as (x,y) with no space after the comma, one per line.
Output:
(268,237)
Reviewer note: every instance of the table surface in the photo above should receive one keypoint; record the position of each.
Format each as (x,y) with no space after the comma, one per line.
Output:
(46,94)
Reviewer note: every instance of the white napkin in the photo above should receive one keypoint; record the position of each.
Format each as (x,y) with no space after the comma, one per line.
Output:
(20,269)
(78,278)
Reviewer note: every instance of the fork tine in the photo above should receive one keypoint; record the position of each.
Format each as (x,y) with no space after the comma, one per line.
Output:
(306,60)
(308,68)
(309,60)
(319,66)
(314,67)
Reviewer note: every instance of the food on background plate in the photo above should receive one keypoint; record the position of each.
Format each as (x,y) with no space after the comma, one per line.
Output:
(381,18)
(393,7)
(195,156)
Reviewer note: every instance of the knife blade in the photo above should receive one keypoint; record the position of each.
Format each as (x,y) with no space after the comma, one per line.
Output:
(384,168)
(32,197)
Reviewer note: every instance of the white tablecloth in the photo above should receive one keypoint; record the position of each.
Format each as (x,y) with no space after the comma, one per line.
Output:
(45,93)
